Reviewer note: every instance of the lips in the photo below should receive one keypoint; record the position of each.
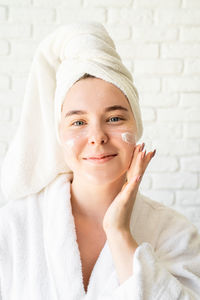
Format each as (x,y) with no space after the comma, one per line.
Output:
(100,156)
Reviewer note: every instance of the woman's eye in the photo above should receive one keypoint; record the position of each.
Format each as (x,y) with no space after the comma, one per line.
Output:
(78,123)
(115,119)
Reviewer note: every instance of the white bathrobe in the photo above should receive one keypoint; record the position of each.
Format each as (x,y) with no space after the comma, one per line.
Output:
(40,258)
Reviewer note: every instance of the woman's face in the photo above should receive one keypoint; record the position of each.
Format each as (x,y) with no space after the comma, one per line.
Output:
(94,115)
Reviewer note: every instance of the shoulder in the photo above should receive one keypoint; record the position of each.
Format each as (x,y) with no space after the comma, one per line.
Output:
(159,224)
(156,210)
(15,215)
(18,206)
(30,207)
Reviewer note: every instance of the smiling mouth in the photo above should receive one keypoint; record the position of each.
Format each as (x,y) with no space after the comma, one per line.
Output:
(101,157)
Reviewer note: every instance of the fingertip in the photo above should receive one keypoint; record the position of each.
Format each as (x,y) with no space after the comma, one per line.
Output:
(143,154)
(153,153)
(138,178)
(142,147)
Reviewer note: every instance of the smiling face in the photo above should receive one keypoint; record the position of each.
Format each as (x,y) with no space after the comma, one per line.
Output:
(94,116)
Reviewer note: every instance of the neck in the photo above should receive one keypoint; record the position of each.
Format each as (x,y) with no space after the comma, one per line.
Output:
(92,201)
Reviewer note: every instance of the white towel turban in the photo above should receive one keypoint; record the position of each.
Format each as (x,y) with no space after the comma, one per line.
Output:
(34,157)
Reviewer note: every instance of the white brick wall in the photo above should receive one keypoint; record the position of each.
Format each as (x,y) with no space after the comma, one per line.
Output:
(159,41)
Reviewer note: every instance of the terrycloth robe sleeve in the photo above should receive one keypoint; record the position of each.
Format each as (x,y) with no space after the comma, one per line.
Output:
(0,291)
(0,277)
(0,287)
(169,271)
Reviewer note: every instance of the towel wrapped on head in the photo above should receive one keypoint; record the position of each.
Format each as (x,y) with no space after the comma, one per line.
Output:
(35,157)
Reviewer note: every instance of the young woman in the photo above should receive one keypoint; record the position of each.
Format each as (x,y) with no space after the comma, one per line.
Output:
(100,159)
(90,234)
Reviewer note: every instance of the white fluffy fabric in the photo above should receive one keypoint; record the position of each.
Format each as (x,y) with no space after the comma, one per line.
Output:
(34,157)
(40,258)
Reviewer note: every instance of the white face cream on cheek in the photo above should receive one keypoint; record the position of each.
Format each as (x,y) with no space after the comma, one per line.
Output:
(128,137)
(71,141)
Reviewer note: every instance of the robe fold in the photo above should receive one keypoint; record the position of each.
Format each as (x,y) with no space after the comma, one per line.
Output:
(40,258)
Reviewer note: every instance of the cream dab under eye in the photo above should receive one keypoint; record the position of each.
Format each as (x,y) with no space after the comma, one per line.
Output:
(128,137)
(71,142)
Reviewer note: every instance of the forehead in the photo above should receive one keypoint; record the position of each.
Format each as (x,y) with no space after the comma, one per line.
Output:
(94,93)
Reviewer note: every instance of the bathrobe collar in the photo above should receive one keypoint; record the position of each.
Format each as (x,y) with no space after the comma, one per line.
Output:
(62,252)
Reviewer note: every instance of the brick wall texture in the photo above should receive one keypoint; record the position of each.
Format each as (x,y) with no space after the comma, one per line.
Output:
(159,41)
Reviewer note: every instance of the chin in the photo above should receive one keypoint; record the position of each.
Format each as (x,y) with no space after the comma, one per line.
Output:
(103,178)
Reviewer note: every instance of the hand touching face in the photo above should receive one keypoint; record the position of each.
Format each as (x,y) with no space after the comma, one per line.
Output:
(118,215)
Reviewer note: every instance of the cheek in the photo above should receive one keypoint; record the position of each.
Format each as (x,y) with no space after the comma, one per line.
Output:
(127,154)
(124,140)
(72,143)
(126,144)
(75,142)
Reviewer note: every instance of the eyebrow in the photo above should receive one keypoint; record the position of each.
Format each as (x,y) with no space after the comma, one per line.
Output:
(108,109)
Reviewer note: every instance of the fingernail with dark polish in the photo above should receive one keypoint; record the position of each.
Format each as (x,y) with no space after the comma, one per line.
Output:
(153,153)
(142,147)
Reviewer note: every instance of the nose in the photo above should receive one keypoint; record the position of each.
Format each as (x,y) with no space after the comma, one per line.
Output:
(97,136)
